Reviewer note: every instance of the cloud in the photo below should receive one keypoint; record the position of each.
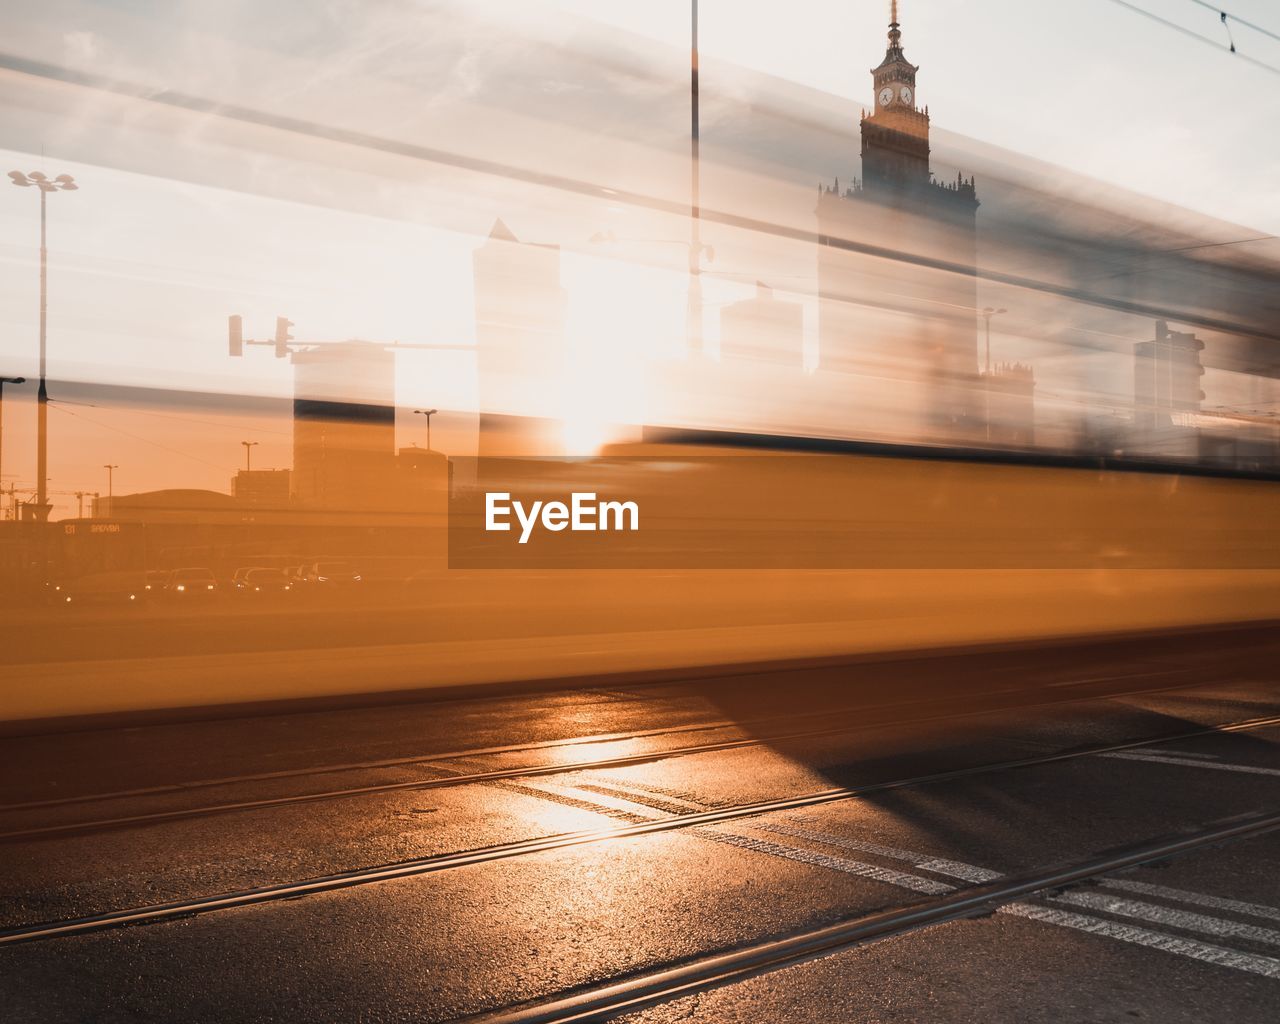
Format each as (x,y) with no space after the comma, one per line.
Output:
(80,45)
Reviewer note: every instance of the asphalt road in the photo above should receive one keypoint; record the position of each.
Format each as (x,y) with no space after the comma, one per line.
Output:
(616,835)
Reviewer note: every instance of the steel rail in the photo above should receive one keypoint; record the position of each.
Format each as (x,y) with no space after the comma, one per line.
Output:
(155,913)
(611,999)
(616,737)
(447,782)
(358,766)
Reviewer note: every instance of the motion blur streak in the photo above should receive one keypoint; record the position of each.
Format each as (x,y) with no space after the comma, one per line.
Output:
(1015,403)
(883,398)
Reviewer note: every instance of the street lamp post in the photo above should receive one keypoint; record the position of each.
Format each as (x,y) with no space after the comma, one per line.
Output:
(987,314)
(110,485)
(695,198)
(45,185)
(695,246)
(248,447)
(428,413)
(3,382)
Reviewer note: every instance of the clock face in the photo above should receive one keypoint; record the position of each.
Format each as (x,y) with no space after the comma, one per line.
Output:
(905,94)
(886,97)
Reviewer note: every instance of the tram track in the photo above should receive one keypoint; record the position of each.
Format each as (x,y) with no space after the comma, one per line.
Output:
(612,999)
(99,825)
(515,748)
(157,913)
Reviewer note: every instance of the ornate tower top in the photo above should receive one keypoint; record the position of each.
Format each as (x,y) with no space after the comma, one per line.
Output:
(895,136)
(895,78)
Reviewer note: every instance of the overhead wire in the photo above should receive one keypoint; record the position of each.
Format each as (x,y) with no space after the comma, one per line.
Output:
(138,437)
(1239,21)
(1196,35)
(185,419)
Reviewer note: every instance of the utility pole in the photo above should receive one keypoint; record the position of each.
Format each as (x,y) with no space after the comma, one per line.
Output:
(695,201)
(248,447)
(45,185)
(3,382)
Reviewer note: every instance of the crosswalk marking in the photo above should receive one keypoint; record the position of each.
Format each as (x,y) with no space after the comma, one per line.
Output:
(1186,896)
(1184,919)
(1253,963)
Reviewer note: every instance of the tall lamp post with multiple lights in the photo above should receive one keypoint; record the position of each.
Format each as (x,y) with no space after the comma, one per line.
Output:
(248,448)
(428,413)
(45,185)
(111,487)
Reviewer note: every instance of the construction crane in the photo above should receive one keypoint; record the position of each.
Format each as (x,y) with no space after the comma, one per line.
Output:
(284,343)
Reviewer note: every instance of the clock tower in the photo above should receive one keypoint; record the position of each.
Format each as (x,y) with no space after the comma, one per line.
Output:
(895,136)
(897,305)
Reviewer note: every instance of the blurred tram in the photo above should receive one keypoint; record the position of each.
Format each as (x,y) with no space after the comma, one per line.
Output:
(753,550)
(959,396)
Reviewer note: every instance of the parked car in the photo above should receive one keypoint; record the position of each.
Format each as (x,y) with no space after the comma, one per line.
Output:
(191,583)
(105,588)
(331,573)
(265,582)
(156,581)
(240,578)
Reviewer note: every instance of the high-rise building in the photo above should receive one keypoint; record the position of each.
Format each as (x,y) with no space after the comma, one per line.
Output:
(521,357)
(905,327)
(344,427)
(1166,377)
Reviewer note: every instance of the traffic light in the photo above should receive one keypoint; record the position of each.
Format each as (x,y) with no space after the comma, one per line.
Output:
(235,332)
(283,337)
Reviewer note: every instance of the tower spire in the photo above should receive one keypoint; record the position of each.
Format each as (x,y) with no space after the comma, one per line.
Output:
(894,34)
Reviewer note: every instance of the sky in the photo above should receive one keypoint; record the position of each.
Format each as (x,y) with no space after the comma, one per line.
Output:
(184,218)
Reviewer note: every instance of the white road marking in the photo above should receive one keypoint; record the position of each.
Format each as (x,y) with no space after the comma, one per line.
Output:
(1202,899)
(680,803)
(1253,963)
(1162,759)
(1193,948)
(587,802)
(1156,914)
(588,798)
(876,872)
(916,883)
(952,868)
